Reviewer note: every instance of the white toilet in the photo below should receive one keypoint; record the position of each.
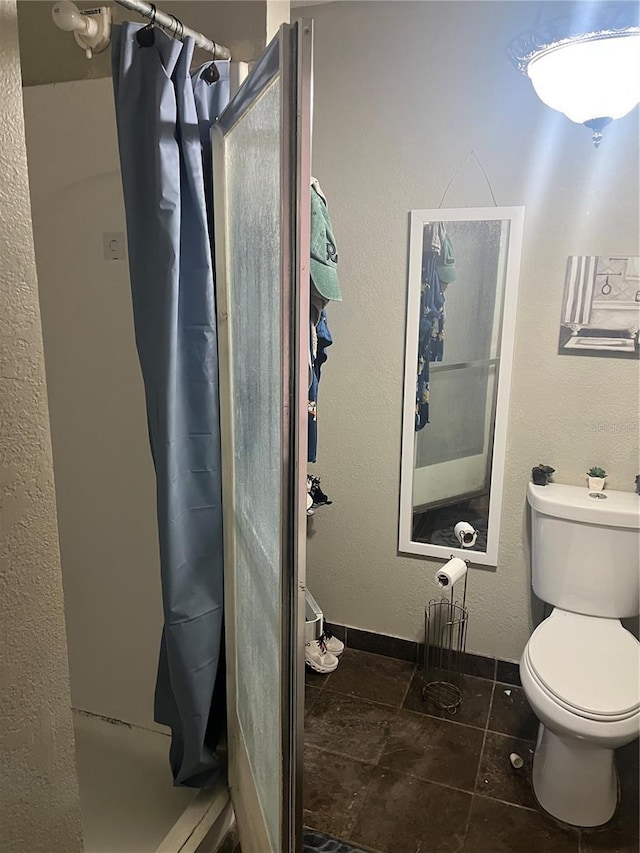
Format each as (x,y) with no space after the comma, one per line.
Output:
(580,669)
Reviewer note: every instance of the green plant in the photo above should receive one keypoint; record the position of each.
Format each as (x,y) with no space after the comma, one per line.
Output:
(596,472)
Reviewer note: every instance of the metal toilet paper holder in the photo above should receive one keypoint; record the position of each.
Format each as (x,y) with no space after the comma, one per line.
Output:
(445,638)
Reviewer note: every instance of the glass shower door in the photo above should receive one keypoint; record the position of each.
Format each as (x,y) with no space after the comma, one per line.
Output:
(262,181)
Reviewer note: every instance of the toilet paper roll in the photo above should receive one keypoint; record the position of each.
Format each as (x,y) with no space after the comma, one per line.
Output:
(451,572)
(466,534)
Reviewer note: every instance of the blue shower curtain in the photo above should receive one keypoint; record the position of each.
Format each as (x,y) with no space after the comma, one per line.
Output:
(163,117)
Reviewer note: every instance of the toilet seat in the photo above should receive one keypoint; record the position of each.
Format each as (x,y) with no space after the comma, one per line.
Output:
(588,665)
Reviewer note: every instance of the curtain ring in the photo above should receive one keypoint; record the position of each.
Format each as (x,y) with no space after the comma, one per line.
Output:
(211,74)
(145,37)
(174,27)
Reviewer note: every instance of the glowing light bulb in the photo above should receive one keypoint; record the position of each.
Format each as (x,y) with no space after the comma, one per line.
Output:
(588,70)
(590,79)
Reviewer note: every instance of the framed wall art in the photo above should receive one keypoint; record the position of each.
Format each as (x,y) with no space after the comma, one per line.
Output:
(601,306)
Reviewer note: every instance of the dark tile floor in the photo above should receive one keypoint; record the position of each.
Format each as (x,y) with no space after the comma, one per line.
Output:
(391,774)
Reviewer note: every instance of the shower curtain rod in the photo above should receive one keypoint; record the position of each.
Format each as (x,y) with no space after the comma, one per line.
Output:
(175,27)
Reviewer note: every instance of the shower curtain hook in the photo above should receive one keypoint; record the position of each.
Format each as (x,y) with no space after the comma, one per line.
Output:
(145,37)
(211,74)
(174,27)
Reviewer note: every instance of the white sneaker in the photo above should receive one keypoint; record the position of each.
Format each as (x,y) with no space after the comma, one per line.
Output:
(333,644)
(319,658)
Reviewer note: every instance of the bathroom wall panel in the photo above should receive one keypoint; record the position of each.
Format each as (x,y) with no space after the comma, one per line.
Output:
(104,474)
(39,800)
(398,106)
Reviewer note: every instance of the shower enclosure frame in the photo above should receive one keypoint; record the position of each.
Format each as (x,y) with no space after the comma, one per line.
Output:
(286,62)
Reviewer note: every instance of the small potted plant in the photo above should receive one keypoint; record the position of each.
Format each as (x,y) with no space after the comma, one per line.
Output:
(541,474)
(597,477)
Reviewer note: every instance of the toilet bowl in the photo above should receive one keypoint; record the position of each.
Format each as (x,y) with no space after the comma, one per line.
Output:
(581,667)
(581,676)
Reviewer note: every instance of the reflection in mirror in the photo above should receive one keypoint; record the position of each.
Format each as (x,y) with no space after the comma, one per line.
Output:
(463,277)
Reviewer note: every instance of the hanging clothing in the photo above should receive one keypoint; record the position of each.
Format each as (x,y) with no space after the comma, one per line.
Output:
(325,288)
(163,116)
(324,253)
(438,270)
(321,337)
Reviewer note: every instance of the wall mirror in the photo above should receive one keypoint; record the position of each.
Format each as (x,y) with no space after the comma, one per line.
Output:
(464,268)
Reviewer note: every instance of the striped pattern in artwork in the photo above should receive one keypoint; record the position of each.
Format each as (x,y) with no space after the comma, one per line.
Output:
(578,289)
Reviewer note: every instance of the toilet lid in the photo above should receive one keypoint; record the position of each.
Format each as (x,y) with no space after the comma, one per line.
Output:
(589,664)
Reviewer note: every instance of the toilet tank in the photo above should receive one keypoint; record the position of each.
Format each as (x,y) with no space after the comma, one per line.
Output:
(585,551)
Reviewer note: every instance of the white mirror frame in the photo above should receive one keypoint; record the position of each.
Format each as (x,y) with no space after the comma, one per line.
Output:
(419,218)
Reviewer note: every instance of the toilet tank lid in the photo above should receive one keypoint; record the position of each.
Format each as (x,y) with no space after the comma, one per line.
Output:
(616,509)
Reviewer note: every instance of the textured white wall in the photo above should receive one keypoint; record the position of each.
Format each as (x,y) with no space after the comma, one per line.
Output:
(105,482)
(403,92)
(39,806)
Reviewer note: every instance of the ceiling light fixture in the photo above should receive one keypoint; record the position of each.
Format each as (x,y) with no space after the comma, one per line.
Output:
(588,68)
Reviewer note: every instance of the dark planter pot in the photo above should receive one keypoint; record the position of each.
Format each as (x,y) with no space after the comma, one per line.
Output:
(542,475)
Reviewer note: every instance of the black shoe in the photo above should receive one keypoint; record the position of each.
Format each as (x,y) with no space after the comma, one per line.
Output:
(318,496)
